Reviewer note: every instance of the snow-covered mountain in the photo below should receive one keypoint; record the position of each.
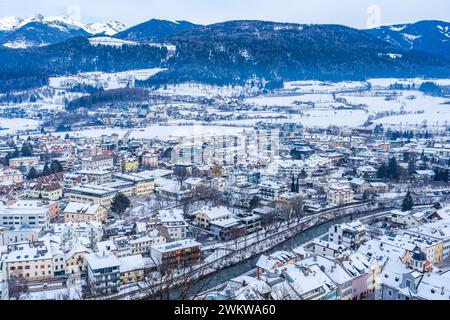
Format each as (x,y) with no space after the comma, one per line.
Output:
(429,36)
(10,23)
(109,28)
(16,32)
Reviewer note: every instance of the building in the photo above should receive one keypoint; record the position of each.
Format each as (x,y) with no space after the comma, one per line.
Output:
(339,194)
(350,234)
(327,248)
(47,191)
(10,176)
(227,229)
(84,212)
(174,223)
(150,160)
(205,216)
(92,194)
(360,185)
(271,190)
(398,282)
(129,163)
(131,269)
(92,231)
(243,195)
(335,271)
(34,261)
(251,222)
(97,176)
(379,187)
(32,213)
(10,235)
(408,219)
(439,230)
(16,163)
(103,273)
(141,185)
(172,255)
(423,175)
(76,259)
(97,162)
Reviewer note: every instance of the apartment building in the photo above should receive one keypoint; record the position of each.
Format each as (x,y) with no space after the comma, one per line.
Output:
(103,271)
(84,212)
(339,194)
(92,194)
(32,213)
(176,254)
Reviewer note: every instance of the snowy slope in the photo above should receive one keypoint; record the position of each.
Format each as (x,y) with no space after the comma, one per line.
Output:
(428,36)
(16,32)
(109,28)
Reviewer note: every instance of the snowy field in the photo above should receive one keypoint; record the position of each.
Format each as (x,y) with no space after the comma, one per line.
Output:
(383,83)
(155,131)
(207,91)
(324,107)
(106,80)
(11,126)
(323,87)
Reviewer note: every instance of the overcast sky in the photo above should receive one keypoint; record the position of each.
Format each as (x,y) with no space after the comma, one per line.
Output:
(355,13)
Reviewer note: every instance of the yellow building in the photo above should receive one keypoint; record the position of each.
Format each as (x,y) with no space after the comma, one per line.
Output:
(207,215)
(92,194)
(75,259)
(143,188)
(339,194)
(29,263)
(84,212)
(141,185)
(25,161)
(131,269)
(130,164)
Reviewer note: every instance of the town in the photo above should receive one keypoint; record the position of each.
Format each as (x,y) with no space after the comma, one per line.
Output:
(119,215)
(223,159)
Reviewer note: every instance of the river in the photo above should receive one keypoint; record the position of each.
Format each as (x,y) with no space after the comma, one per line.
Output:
(226,274)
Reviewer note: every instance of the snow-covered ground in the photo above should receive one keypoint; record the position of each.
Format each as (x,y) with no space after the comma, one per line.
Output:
(209,91)
(109,41)
(156,131)
(11,126)
(106,80)
(321,108)
(383,83)
(323,87)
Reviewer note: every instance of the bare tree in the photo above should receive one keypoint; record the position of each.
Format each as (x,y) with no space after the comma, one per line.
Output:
(181,173)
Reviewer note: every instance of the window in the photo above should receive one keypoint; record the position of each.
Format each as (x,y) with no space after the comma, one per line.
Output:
(390,293)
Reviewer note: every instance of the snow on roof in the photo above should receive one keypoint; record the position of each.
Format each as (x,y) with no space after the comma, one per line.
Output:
(215,212)
(92,190)
(170,215)
(77,247)
(101,260)
(266,263)
(331,268)
(82,208)
(358,181)
(425,172)
(328,244)
(438,230)
(224,223)
(176,245)
(131,263)
(104,246)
